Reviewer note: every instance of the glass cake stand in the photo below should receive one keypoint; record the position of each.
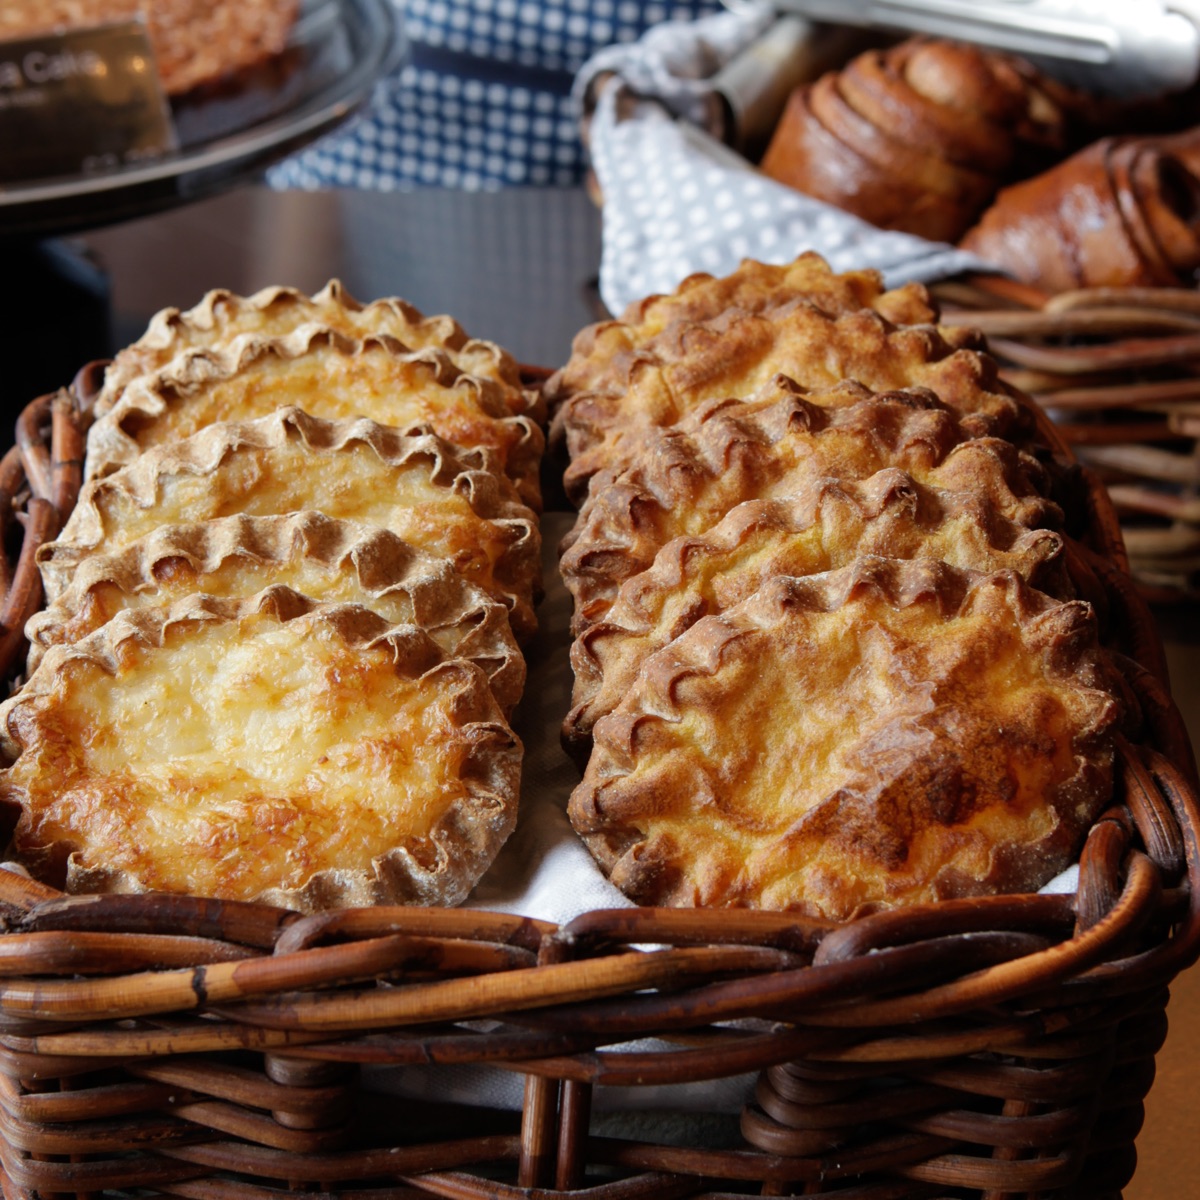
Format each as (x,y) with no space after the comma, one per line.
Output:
(231,131)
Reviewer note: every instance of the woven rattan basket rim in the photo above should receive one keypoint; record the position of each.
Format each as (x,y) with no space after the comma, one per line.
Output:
(1118,367)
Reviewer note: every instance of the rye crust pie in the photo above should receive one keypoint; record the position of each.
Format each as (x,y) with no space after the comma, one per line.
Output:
(327,375)
(605,356)
(415,486)
(735,354)
(222,316)
(780,441)
(325,513)
(825,525)
(836,649)
(329,561)
(892,732)
(282,640)
(305,755)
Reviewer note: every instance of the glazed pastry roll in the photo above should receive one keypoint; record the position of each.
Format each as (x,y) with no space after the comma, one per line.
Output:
(416,487)
(329,561)
(892,732)
(918,136)
(222,316)
(1183,146)
(304,755)
(1121,213)
(327,375)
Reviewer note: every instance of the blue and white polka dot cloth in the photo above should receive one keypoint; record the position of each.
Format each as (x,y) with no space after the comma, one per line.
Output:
(677,201)
(484,100)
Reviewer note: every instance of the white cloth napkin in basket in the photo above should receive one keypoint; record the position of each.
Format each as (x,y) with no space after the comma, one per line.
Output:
(676,200)
(544,870)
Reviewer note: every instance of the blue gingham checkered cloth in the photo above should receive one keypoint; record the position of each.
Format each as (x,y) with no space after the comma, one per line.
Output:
(484,100)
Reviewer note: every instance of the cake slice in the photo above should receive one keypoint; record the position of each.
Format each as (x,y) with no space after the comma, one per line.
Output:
(195,42)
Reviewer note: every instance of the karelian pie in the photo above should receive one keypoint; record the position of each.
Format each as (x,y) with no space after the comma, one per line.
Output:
(780,441)
(329,561)
(281,646)
(737,353)
(891,732)
(328,375)
(835,647)
(222,316)
(301,754)
(605,356)
(415,486)
(824,525)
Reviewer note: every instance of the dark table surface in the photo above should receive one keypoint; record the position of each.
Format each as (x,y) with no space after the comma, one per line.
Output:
(517,267)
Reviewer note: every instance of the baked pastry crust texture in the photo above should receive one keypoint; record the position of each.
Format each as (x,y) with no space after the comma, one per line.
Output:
(281,647)
(331,375)
(834,645)
(415,484)
(309,755)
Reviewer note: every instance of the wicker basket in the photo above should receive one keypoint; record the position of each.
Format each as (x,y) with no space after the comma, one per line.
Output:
(224,1051)
(1119,369)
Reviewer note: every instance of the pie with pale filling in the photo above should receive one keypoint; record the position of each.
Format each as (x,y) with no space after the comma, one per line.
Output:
(327,375)
(823,526)
(327,560)
(891,732)
(415,486)
(735,355)
(606,355)
(222,316)
(771,446)
(272,749)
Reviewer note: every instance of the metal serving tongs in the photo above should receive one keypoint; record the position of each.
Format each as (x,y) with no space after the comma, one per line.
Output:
(1120,47)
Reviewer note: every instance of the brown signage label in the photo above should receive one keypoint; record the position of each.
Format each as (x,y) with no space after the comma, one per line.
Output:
(80,102)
